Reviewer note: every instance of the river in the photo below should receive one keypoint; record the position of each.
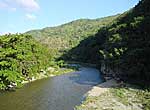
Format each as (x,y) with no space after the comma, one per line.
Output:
(62,92)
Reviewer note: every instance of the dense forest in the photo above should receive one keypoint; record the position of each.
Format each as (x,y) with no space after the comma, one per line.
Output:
(21,58)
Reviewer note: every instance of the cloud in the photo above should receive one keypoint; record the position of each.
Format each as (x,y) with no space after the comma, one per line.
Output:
(30,17)
(3,5)
(27,5)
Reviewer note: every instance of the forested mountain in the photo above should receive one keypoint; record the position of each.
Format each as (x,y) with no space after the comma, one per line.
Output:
(123,46)
(67,36)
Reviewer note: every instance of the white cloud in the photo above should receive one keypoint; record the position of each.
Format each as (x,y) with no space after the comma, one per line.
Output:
(28,5)
(30,17)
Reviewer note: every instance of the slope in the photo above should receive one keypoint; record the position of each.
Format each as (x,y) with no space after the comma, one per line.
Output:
(67,36)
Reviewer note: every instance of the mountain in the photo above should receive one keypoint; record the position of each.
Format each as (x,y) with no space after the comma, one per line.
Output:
(123,46)
(67,36)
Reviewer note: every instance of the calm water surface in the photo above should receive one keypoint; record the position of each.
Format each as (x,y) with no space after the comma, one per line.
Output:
(58,93)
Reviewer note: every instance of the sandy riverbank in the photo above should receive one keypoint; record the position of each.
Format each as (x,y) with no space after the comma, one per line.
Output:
(102,88)
(110,95)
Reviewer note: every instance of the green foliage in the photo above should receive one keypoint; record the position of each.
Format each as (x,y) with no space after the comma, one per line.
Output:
(115,38)
(60,63)
(21,57)
(122,95)
(128,40)
(102,53)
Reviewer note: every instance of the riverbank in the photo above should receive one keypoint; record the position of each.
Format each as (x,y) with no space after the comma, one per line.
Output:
(46,73)
(112,95)
(50,72)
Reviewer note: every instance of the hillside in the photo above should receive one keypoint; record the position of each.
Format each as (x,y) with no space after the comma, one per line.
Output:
(67,36)
(123,46)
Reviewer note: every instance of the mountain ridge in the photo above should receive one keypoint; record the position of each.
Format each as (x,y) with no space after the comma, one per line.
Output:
(70,34)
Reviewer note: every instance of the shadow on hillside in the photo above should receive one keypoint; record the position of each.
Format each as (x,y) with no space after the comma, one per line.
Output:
(87,51)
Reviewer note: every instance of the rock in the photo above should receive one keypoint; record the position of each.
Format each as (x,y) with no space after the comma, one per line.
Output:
(50,69)
(51,75)
(108,78)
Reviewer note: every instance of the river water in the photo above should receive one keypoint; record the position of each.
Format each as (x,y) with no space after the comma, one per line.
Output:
(57,93)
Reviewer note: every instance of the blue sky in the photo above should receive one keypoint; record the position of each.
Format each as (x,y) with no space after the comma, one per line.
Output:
(24,15)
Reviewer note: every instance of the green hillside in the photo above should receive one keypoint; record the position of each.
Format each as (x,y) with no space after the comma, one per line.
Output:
(123,46)
(67,36)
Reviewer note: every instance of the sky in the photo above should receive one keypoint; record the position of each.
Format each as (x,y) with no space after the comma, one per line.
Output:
(24,15)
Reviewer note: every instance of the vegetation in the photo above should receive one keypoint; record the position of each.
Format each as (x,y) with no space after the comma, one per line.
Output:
(128,43)
(21,58)
(64,37)
(140,96)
